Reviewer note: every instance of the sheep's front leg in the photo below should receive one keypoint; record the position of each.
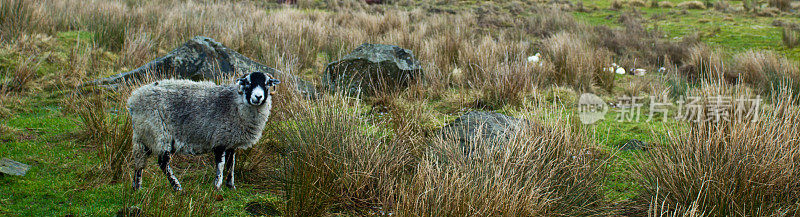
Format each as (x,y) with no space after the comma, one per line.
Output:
(230,160)
(163,162)
(219,160)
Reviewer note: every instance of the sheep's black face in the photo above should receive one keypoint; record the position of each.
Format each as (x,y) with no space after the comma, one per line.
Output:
(254,87)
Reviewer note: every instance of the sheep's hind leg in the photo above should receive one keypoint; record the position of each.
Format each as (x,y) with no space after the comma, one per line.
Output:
(163,162)
(140,161)
(230,160)
(219,160)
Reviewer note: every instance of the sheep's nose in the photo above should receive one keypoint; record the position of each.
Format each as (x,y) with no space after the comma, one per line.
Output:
(258,98)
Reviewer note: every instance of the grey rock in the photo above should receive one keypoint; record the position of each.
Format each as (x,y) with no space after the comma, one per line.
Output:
(477,129)
(373,67)
(132,211)
(262,209)
(10,167)
(633,144)
(201,58)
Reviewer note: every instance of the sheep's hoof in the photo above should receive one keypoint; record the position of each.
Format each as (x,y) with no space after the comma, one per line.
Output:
(231,186)
(178,188)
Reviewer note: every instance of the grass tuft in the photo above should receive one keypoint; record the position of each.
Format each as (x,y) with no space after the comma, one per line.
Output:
(743,166)
(538,171)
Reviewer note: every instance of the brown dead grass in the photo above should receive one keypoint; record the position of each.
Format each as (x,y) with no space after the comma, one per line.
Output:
(698,5)
(739,166)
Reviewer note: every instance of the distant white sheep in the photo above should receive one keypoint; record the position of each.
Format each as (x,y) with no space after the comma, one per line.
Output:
(535,59)
(187,117)
(618,69)
(639,72)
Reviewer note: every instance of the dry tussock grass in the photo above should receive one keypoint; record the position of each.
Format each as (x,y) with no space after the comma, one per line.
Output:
(21,77)
(539,171)
(337,159)
(339,156)
(765,70)
(467,40)
(704,63)
(577,63)
(790,36)
(783,5)
(739,166)
(692,5)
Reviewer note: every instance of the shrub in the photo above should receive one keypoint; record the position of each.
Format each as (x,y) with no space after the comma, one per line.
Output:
(729,168)
(539,171)
(692,5)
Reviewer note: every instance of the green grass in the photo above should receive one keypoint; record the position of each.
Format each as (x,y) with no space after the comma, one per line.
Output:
(740,32)
(60,182)
(64,179)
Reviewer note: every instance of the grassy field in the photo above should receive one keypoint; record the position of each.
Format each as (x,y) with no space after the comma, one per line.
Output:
(344,156)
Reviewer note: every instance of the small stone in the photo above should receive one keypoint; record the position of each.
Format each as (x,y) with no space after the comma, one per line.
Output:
(10,167)
(634,144)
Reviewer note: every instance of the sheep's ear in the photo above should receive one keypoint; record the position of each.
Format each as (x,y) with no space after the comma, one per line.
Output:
(273,82)
(241,81)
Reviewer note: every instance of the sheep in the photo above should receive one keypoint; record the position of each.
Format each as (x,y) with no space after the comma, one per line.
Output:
(619,70)
(639,72)
(535,58)
(187,117)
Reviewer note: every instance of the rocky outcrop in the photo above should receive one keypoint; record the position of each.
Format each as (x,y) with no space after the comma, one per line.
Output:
(201,58)
(477,129)
(373,67)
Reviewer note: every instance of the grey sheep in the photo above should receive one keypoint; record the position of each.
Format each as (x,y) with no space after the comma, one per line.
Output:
(187,117)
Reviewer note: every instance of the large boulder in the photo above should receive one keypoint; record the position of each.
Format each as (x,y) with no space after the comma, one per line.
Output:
(201,58)
(479,130)
(373,67)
